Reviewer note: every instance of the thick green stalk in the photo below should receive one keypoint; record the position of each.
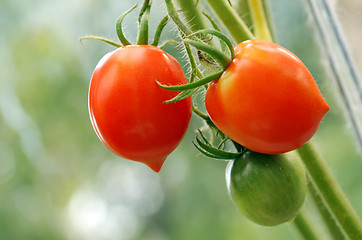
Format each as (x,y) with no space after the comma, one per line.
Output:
(219,56)
(192,14)
(304,226)
(242,8)
(172,12)
(143,28)
(259,19)
(268,16)
(232,21)
(331,191)
(334,228)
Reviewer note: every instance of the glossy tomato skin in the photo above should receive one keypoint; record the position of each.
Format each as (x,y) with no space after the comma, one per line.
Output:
(267,189)
(266,100)
(127,106)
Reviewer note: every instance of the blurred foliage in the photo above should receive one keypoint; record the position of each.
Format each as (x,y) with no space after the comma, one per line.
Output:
(57,181)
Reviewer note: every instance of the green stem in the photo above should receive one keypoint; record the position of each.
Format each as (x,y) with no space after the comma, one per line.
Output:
(144,7)
(232,21)
(216,27)
(101,39)
(172,12)
(331,191)
(159,30)
(143,28)
(217,55)
(173,42)
(304,226)
(261,26)
(195,71)
(119,29)
(222,37)
(268,17)
(192,85)
(192,14)
(333,227)
(242,8)
(201,114)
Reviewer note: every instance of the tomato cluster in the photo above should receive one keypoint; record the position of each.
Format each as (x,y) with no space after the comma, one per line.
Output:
(264,100)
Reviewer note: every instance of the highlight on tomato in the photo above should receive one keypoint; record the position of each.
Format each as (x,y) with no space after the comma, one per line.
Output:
(127,107)
(267,189)
(266,99)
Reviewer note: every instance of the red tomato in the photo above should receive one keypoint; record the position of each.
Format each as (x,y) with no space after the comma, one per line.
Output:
(266,100)
(127,106)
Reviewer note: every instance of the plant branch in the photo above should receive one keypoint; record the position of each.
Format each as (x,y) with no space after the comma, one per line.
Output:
(172,12)
(304,226)
(334,228)
(331,191)
(192,14)
(232,21)
(259,19)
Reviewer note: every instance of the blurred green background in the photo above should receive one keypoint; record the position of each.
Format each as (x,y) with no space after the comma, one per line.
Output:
(57,181)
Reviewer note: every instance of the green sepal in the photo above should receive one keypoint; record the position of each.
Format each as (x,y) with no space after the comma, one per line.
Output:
(217,152)
(203,137)
(216,27)
(222,143)
(218,34)
(212,51)
(163,45)
(207,154)
(103,39)
(192,85)
(195,71)
(142,38)
(159,30)
(201,115)
(144,7)
(119,29)
(182,95)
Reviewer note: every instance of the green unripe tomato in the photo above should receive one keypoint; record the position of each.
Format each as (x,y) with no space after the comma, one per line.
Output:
(267,189)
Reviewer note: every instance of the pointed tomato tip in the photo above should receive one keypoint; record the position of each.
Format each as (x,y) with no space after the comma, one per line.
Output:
(155,165)
(156,169)
(326,108)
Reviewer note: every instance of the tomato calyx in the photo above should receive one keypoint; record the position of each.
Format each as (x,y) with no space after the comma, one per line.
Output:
(208,147)
(143,30)
(222,59)
(210,57)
